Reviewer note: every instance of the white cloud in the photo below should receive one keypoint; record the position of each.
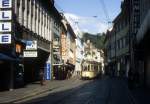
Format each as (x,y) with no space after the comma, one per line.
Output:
(86,24)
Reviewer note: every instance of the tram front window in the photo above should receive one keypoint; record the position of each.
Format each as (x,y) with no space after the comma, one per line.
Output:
(85,68)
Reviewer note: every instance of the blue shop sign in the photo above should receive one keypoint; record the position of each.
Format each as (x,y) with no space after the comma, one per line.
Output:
(47,72)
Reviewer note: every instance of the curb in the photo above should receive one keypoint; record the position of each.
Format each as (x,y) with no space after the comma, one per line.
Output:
(27,96)
(30,94)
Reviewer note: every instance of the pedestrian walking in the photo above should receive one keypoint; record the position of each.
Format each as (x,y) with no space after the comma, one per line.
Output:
(41,77)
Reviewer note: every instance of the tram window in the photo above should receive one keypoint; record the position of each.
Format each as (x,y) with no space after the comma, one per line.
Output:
(88,69)
(85,68)
(95,67)
(92,68)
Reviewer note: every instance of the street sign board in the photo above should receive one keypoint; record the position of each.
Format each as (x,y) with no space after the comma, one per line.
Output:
(27,53)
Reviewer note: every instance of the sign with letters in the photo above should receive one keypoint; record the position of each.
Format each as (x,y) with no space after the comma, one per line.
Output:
(5,21)
(27,53)
(47,72)
(5,38)
(31,49)
(5,26)
(5,15)
(5,4)
(31,45)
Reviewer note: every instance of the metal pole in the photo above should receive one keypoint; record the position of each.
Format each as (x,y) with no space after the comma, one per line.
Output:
(11,87)
(51,49)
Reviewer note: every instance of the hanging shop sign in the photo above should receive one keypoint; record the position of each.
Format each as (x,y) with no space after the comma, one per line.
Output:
(31,49)
(28,53)
(47,72)
(31,45)
(5,21)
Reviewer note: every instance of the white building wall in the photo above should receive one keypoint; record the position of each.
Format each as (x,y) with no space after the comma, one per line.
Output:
(33,16)
(79,56)
(25,15)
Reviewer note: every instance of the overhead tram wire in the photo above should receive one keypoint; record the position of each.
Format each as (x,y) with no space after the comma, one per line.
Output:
(75,22)
(105,11)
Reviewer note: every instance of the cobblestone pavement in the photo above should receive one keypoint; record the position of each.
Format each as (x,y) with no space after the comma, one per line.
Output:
(32,89)
(74,91)
(99,91)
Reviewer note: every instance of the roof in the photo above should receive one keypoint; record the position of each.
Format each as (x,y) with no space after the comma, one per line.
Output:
(71,30)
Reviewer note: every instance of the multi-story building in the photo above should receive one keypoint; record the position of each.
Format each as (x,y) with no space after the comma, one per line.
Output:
(110,52)
(79,55)
(131,29)
(30,29)
(56,31)
(142,50)
(91,53)
(118,42)
(121,28)
(65,67)
(71,45)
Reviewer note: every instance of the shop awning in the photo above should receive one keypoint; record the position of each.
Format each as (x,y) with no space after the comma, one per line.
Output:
(4,57)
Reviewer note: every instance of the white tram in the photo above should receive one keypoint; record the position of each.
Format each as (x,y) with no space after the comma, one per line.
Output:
(90,69)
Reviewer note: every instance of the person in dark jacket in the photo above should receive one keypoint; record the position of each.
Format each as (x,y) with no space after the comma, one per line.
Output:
(41,77)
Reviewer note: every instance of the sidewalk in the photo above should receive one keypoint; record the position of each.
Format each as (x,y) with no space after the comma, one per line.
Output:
(138,95)
(141,95)
(31,90)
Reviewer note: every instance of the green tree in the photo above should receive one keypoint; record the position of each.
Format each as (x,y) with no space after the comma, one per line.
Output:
(96,39)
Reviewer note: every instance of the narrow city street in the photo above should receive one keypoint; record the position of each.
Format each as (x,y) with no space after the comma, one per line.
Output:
(99,91)
(74,52)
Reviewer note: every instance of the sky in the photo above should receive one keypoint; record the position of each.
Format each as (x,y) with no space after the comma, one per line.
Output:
(89,15)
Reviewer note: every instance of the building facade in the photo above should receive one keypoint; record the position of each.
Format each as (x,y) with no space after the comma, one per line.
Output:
(110,53)
(131,29)
(91,53)
(67,46)
(142,49)
(79,55)
(121,29)
(33,22)
(32,40)
(118,43)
